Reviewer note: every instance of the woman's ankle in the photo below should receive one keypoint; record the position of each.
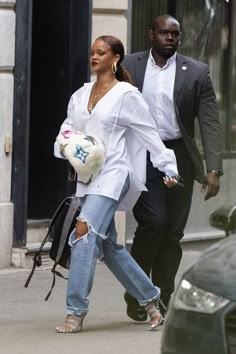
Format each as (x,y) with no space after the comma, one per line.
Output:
(155,316)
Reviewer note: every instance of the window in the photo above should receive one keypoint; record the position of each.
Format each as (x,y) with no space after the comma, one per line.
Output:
(208,34)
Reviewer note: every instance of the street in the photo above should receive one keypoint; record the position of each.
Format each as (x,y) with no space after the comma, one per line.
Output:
(27,322)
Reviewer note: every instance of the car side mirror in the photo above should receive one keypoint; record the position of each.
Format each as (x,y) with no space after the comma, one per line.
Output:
(224,219)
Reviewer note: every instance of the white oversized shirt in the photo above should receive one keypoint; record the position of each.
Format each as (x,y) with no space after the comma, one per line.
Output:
(158,92)
(122,120)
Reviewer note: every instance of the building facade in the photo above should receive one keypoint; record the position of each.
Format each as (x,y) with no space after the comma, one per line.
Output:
(42,61)
(7,60)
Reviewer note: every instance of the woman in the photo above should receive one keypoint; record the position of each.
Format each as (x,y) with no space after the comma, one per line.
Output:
(114,110)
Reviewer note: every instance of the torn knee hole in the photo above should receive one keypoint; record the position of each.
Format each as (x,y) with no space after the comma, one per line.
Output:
(81,228)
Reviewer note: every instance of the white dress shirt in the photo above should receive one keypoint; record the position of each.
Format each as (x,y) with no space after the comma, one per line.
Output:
(158,92)
(122,120)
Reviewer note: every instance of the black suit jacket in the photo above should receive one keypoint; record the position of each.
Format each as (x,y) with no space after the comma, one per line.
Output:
(194,96)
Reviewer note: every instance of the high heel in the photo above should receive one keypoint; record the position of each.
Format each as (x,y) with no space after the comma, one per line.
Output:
(155,316)
(72,324)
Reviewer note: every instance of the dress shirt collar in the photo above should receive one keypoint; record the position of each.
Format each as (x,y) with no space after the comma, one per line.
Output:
(168,62)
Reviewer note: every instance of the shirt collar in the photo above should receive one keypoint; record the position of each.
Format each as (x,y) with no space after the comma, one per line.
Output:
(168,62)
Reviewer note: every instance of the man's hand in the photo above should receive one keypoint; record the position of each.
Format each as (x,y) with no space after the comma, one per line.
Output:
(212,184)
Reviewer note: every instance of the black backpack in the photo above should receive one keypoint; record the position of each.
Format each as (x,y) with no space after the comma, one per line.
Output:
(62,224)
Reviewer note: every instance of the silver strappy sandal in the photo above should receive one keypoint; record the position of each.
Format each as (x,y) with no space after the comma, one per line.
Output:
(72,324)
(155,316)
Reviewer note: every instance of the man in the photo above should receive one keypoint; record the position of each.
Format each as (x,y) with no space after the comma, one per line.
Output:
(177,89)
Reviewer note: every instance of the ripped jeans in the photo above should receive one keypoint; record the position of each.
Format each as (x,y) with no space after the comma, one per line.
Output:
(98,211)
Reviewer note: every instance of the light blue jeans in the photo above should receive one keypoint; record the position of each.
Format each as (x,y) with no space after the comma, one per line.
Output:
(98,211)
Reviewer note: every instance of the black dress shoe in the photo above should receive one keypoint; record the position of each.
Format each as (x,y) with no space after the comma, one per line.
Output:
(134,310)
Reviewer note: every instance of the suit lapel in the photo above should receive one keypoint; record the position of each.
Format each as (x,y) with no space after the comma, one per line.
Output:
(140,69)
(181,71)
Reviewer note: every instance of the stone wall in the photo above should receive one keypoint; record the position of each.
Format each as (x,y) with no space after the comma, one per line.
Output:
(110,17)
(7,58)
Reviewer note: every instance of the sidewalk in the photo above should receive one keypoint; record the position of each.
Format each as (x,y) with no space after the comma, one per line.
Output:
(27,322)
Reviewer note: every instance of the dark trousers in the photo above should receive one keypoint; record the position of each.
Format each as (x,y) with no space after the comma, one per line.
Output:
(162,214)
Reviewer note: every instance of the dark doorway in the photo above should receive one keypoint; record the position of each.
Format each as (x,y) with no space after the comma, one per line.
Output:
(51,61)
(59,66)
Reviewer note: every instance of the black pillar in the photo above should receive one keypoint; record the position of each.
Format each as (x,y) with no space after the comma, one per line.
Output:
(21,119)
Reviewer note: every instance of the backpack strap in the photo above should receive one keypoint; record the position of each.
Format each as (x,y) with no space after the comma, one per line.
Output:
(37,259)
(54,273)
(73,208)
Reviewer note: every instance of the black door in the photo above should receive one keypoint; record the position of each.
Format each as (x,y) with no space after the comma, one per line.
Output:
(51,61)
(59,66)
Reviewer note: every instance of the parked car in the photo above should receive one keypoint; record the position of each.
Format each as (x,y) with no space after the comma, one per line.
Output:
(201,318)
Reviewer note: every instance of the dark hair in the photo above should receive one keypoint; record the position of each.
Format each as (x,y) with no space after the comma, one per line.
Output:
(156,20)
(117,47)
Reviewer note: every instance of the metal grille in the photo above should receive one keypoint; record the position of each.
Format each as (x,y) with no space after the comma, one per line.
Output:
(143,13)
(230,330)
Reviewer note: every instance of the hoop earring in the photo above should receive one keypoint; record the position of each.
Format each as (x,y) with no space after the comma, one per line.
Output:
(114,67)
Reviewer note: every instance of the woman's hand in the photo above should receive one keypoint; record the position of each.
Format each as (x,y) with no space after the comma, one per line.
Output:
(173,181)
